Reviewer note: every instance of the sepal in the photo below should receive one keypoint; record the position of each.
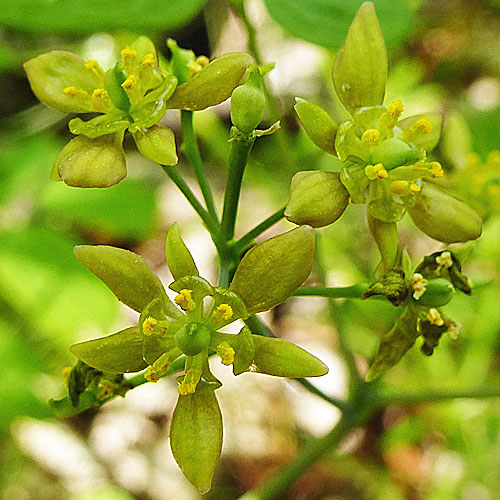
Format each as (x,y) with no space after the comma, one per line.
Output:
(157,143)
(179,258)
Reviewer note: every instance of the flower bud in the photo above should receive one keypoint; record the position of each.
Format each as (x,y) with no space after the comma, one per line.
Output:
(444,217)
(248,103)
(317,198)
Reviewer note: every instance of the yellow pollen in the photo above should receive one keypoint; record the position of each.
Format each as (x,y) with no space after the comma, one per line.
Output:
(418,285)
(444,260)
(226,354)
(197,65)
(414,188)
(184,300)
(376,171)
(396,108)
(93,66)
(130,83)
(453,329)
(148,326)
(371,137)
(70,91)
(101,100)
(424,125)
(148,61)
(128,58)
(436,169)
(400,187)
(226,311)
(151,374)
(186,389)
(434,317)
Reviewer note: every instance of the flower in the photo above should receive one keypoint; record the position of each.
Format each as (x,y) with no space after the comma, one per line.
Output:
(190,327)
(133,95)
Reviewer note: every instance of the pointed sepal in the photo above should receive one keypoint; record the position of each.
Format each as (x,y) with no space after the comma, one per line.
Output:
(179,258)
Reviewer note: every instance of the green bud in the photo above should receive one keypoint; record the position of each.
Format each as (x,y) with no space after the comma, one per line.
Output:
(318,125)
(212,85)
(385,235)
(193,338)
(196,437)
(444,217)
(317,198)
(360,68)
(92,163)
(120,352)
(113,79)
(181,58)
(157,143)
(283,359)
(179,258)
(438,292)
(248,103)
(393,153)
(49,74)
(271,271)
(127,276)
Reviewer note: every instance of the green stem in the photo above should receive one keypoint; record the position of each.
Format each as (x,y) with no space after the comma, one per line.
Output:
(240,149)
(341,292)
(311,453)
(245,241)
(192,152)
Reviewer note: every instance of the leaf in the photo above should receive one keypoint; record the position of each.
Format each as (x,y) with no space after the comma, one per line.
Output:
(317,198)
(179,258)
(212,85)
(425,141)
(360,68)
(196,437)
(120,352)
(89,16)
(49,74)
(126,274)
(325,22)
(283,359)
(271,271)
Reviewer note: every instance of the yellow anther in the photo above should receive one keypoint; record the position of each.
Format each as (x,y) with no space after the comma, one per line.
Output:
(128,57)
(188,385)
(376,171)
(434,317)
(198,64)
(151,326)
(453,328)
(94,67)
(148,61)
(225,311)
(424,125)
(396,109)
(65,372)
(436,170)
(444,260)
(415,188)
(155,371)
(70,91)
(186,389)
(371,137)
(130,83)
(226,354)
(400,188)
(106,390)
(151,375)
(101,101)
(184,300)
(418,284)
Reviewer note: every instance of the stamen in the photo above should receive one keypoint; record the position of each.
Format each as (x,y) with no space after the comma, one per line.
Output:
(422,126)
(70,91)
(151,326)
(101,101)
(376,171)
(396,109)
(197,65)
(434,317)
(148,61)
(226,354)
(436,170)
(184,300)
(128,59)
(415,188)
(371,137)
(418,285)
(400,188)
(94,67)
(222,312)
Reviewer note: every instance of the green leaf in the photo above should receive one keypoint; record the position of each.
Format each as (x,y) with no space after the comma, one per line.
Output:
(157,144)
(126,274)
(120,352)
(283,359)
(325,22)
(317,198)
(444,217)
(425,141)
(438,292)
(84,16)
(318,125)
(179,258)
(49,74)
(360,68)
(196,437)
(271,271)
(212,85)
(92,163)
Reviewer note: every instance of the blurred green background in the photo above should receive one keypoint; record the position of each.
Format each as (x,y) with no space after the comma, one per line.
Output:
(445,57)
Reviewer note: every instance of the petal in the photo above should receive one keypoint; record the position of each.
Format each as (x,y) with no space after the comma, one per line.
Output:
(196,436)
(49,74)
(87,163)
(179,258)
(157,144)
(271,271)
(120,352)
(100,125)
